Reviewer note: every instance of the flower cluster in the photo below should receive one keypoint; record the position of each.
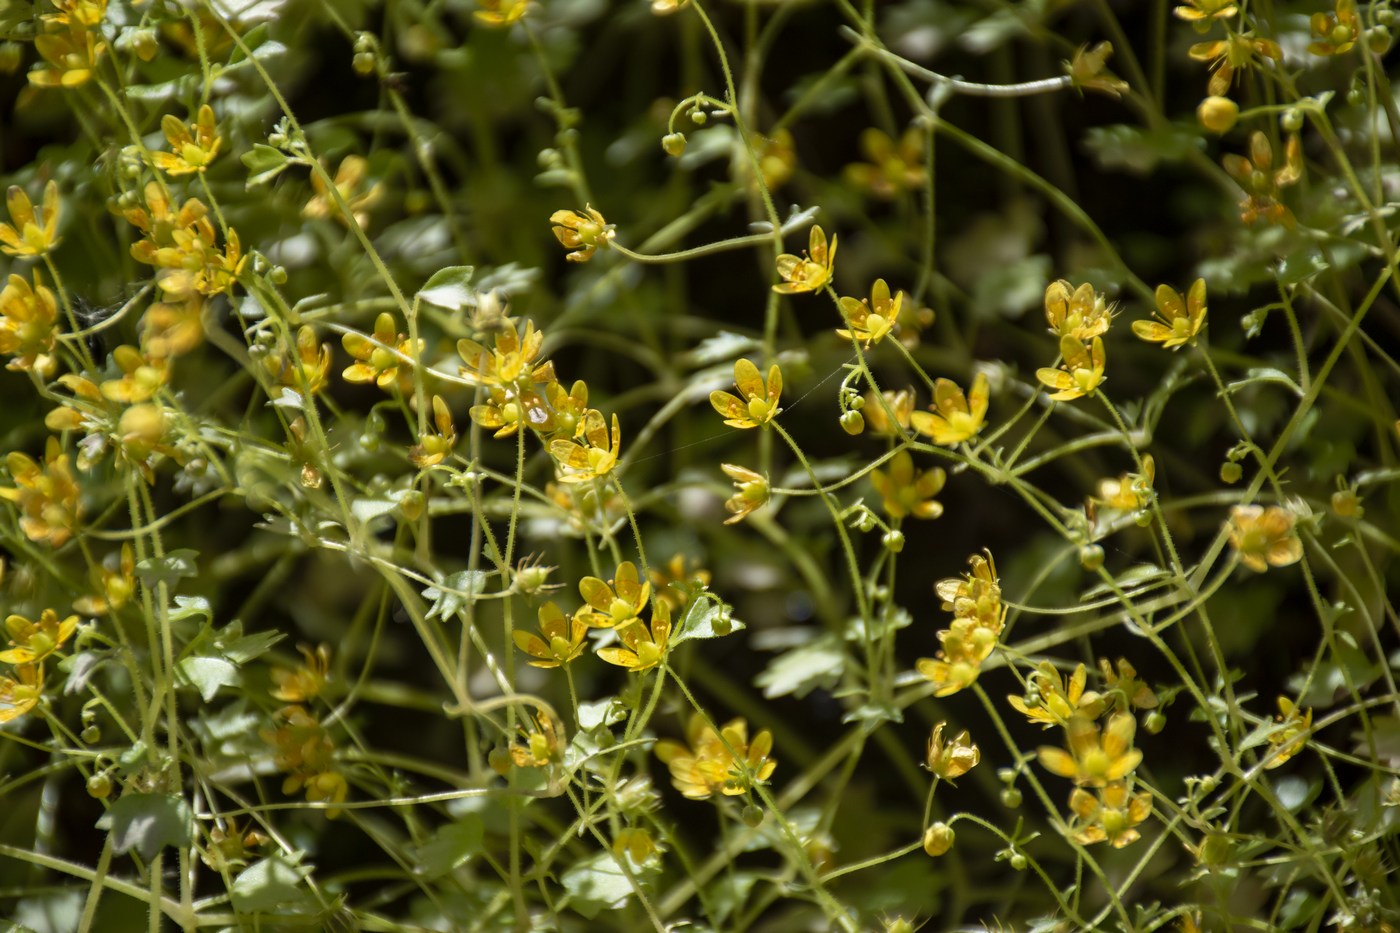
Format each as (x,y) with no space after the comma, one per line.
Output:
(1102,759)
(28,233)
(28,325)
(71,44)
(717,762)
(978,618)
(47,495)
(182,244)
(31,643)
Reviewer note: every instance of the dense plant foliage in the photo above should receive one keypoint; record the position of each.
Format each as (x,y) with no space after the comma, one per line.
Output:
(719,466)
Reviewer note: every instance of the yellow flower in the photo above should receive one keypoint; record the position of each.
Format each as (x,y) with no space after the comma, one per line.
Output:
(892,170)
(975,595)
(28,325)
(1262,185)
(618,602)
(869,321)
(1081,313)
(379,359)
(312,363)
(432,449)
(667,7)
(1230,55)
(1128,690)
(644,649)
(511,359)
(965,644)
(115,585)
(1110,817)
(679,580)
(1058,702)
(959,417)
(27,234)
(559,642)
(72,56)
(777,157)
(1131,491)
(1200,12)
(901,405)
(303,748)
(906,493)
(1292,736)
(636,844)
(47,497)
(938,839)
(759,404)
(596,456)
(141,378)
(1264,537)
(1088,71)
(1080,374)
(173,328)
(34,641)
(499,13)
(563,417)
(307,681)
(724,762)
(951,759)
(192,147)
(20,694)
(1181,321)
(751,492)
(1094,758)
(81,12)
(810,271)
(542,747)
(1335,33)
(584,233)
(501,412)
(349,180)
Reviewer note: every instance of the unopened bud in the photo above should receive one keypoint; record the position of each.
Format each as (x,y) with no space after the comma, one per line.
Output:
(938,839)
(674,144)
(1218,114)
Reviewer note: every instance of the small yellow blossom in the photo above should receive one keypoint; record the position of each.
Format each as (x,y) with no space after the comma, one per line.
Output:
(28,234)
(192,147)
(777,159)
(563,416)
(115,585)
(307,681)
(678,580)
(1130,492)
(1217,114)
(893,169)
(975,595)
(951,759)
(810,271)
(1124,687)
(1200,12)
(723,762)
(636,844)
(502,412)
(595,456)
(432,449)
(618,602)
(500,13)
(1335,33)
(1111,816)
(1094,758)
(510,361)
(72,56)
(304,749)
(938,839)
(751,492)
(28,325)
(380,359)
(1081,313)
(141,377)
(901,405)
(870,321)
(978,618)
(1264,537)
(349,182)
(1261,183)
(1080,373)
(1230,55)
(1182,321)
(1088,71)
(312,363)
(667,7)
(1057,701)
(20,694)
(583,234)
(905,492)
(80,12)
(759,404)
(1292,736)
(173,328)
(958,417)
(34,641)
(644,649)
(560,640)
(47,496)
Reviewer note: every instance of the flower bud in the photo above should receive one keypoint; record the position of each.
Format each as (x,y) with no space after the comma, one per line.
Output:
(674,144)
(1218,114)
(893,541)
(11,54)
(145,44)
(752,816)
(363,63)
(852,422)
(1346,503)
(1155,722)
(1091,557)
(1291,121)
(1018,862)
(100,785)
(1230,472)
(938,839)
(1011,798)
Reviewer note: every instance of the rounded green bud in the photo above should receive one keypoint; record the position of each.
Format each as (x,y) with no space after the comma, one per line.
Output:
(363,63)
(1347,504)
(1018,862)
(893,541)
(752,816)
(91,735)
(674,144)
(1091,557)
(277,275)
(1011,798)
(938,839)
(1356,97)
(1292,120)
(1155,722)
(499,760)
(1230,472)
(1218,114)
(852,422)
(100,786)
(699,117)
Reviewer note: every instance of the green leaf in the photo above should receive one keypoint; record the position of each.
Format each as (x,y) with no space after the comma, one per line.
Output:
(264,164)
(455,592)
(367,510)
(1300,266)
(597,884)
(1138,151)
(449,288)
(818,663)
(168,569)
(207,675)
(148,823)
(273,884)
(190,607)
(707,618)
(449,847)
